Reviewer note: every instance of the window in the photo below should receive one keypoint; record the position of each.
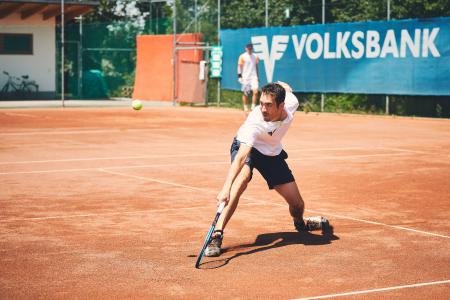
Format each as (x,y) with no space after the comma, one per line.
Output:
(16,43)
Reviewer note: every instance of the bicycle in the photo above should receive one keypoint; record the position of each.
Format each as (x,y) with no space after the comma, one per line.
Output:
(21,85)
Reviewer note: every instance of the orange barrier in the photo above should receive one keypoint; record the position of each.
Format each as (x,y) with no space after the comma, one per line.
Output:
(154,69)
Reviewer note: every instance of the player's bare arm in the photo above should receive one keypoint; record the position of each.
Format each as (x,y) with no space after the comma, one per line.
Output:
(256,66)
(286,86)
(239,70)
(235,168)
(240,66)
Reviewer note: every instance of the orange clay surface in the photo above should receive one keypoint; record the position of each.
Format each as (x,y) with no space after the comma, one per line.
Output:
(113,203)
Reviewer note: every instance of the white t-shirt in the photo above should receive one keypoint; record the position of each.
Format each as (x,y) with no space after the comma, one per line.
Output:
(248,63)
(266,136)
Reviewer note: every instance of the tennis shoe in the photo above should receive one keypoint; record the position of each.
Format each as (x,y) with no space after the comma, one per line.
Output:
(311,224)
(214,247)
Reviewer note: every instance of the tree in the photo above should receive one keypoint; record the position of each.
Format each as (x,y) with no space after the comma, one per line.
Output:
(408,9)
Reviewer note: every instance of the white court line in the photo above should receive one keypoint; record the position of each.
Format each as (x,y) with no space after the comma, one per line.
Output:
(107,170)
(48,171)
(330,149)
(208,154)
(80,131)
(108,158)
(153,180)
(262,201)
(168,156)
(137,212)
(345,157)
(175,184)
(369,222)
(398,287)
(305,159)
(404,150)
(382,224)
(117,168)
(20,115)
(255,200)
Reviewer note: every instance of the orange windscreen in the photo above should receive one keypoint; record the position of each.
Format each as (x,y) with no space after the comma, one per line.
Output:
(154,69)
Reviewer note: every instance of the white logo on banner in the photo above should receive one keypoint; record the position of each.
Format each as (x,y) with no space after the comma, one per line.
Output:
(348,45)
(261,47)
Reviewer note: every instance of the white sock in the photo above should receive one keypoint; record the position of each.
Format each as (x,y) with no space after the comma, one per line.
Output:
(245,107)
(253,106)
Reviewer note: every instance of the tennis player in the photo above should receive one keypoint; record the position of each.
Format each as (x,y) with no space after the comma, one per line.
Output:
(248,76)
(258,145)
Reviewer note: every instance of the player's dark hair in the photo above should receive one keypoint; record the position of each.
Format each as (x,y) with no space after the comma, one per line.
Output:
(276,91)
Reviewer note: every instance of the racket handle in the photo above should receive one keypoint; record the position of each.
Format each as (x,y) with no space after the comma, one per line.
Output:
(221,207)
(210,232)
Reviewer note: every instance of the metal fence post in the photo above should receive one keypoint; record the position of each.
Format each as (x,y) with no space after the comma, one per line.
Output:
(388,18)
(62,53)
(267,13)
(322,96)
(218,42)
(174,53)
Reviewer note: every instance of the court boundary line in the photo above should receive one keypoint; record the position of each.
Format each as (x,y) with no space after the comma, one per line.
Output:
(207,155)
(186,155)
(258,202)
(152,179)
(107,170)
(88,131)
(107,158)
(266,202)
(376,290)
(370,222)
(305,159)
(100,214)
(404,150)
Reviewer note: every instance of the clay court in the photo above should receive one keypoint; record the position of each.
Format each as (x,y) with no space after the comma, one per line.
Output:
(114,203)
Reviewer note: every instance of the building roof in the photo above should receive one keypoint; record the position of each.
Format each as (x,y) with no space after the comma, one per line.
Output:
(46,8)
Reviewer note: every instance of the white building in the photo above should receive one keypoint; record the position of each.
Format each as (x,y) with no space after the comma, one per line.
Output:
(28,42)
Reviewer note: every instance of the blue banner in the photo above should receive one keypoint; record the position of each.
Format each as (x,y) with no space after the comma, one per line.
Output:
(405,57)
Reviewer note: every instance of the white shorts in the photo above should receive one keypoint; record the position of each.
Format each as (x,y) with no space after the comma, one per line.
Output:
(249,85)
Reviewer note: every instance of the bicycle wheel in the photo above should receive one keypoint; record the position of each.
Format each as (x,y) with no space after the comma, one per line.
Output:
(31,88)
(5,88)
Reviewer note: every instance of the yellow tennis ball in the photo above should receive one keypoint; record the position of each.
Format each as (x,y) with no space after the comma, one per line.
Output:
(137,104)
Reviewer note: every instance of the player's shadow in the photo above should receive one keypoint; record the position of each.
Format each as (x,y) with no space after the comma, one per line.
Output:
(268,241)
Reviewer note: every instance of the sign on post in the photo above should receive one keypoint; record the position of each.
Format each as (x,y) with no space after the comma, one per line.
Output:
(216,62)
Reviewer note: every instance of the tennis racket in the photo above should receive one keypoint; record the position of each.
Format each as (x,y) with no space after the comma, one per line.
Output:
(208,236)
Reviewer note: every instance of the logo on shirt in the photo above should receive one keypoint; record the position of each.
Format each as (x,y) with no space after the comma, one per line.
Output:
(272,132)
(277,49)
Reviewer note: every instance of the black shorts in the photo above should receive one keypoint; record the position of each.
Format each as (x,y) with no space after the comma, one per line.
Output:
(274,169)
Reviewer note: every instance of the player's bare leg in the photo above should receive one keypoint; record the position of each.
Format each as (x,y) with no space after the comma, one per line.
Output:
(244,101)
(290,193)
(254,97)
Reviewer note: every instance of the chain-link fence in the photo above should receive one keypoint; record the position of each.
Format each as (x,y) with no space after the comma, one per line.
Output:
(99,60)
(100,47)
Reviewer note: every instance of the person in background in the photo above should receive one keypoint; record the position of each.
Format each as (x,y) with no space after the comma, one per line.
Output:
(248,76)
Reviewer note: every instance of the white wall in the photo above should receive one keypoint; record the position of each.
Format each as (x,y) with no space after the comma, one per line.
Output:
(41,65)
